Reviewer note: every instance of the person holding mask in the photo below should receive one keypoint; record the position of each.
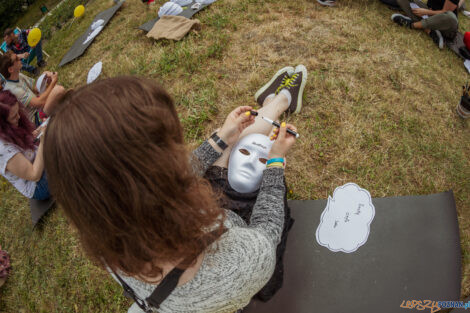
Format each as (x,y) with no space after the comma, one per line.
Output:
(23,87)
(143,210)
(237,174)
(21,160)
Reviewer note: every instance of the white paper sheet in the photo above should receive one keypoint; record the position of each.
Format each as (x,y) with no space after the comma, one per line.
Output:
(467,65)
(345,222)
(415,6)
(97,24)
(94,72)
(93,34)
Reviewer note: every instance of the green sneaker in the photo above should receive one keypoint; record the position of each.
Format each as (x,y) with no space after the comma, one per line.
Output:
(272,87)
(295,85)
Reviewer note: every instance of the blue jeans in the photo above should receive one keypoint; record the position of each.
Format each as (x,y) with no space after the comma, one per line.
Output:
(34,52)
(42,189)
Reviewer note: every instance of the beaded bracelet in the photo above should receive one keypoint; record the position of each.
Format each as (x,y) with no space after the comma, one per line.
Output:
(281,160)
(275,164)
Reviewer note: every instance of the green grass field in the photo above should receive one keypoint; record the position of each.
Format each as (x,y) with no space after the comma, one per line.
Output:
(34,12)
(379,110)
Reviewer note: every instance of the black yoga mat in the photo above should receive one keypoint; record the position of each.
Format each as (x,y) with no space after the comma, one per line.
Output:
(39,208)
(413,253)
(187,12)
(78,47)
(457,45)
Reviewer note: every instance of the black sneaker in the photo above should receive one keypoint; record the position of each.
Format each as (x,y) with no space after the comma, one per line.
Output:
(402,20)
(295,85)
(35,71)
(462,111)
(272,87)
(42,63)
(437,38)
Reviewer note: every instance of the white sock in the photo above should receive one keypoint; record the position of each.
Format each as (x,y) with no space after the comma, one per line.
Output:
(286,93)
(270,97)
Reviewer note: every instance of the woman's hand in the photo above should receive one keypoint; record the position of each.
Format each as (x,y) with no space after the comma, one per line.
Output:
(54,77)
(41,129)
(36,132)
(48,77)
(284,141)
(420,12)
(234,124)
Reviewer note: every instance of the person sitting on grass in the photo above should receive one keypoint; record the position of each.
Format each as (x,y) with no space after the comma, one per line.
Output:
(141,206)
(238,172)
(18,43)
(24,89)
(438,18)
(21,160)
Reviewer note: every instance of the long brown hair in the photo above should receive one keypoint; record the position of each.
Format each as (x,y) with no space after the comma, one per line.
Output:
(6,63)
(117,164)
(21,135)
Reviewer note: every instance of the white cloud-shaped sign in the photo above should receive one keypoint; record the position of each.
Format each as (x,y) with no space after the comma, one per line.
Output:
(345,222)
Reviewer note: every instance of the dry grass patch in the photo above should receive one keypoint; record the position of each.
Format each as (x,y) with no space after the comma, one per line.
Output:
(379,110)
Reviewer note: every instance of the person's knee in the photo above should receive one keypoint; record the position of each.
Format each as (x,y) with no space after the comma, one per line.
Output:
(58,89)
(54,97)
(57,93)
(448,22)
(453,22)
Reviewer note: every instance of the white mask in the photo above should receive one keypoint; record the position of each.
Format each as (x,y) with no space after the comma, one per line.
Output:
(247,162)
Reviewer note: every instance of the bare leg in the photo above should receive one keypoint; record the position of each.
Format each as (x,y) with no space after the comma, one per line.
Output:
(419,25)
(272,109)
(53,98)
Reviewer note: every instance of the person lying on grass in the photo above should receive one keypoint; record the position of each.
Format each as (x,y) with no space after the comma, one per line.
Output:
(18,43)
(141,207)
(21,160)
(438,18)
(24,89)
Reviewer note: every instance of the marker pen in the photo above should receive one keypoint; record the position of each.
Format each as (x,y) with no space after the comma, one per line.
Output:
(279,126)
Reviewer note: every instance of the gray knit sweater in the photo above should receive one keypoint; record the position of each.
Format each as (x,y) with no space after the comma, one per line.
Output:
(240,263)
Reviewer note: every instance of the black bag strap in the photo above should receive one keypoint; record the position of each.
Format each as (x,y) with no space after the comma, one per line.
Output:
(169,283)
(129,293)
(166,286)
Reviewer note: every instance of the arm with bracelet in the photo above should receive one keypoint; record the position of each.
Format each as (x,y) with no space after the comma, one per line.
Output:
(270,198)
(275,162)
(211,150)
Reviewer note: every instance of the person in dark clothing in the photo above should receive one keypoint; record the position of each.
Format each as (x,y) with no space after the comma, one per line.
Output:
(18,43)
(242,204)
(438,18)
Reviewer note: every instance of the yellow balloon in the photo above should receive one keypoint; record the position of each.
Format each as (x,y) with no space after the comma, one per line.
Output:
(79,11)
(34,37)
